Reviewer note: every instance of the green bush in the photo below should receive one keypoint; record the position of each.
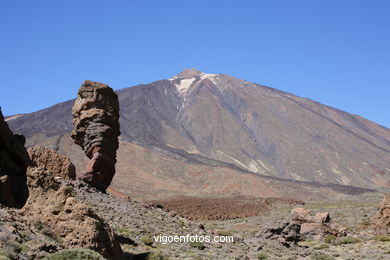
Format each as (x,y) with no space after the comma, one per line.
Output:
(382,238)
(198,245)
(124,231)
(75,254)
(5,254)
(262,255)
(147,240)
(329,238)
(321,256)
(348,240)
(24,248)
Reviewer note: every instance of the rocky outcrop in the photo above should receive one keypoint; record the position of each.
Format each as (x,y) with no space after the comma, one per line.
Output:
(381,221)
(53,209)
(96,129)
(303,215)
(302,223)
(318,225)
(56,164)
(13,165)
(287,233)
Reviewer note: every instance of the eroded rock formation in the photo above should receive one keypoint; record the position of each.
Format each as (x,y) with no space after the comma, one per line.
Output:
(381,221)
(302,222)
(13,165)
(316,226)
(96,129)
(56,164)
(53,208)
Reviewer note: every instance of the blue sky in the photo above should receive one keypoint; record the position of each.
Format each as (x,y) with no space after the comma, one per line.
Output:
(336,52)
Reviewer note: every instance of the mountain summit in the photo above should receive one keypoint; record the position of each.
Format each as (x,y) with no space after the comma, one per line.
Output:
(213,133)
(189,73)
(189,77)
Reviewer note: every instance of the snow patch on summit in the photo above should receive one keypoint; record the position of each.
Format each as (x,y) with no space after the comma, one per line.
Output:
(209,76)
(184,80)
(184,84)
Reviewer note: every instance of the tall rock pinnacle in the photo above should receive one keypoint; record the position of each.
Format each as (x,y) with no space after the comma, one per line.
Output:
(96,129)
(14,160)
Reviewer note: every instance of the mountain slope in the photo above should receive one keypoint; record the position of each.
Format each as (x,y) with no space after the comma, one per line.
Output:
(238,125)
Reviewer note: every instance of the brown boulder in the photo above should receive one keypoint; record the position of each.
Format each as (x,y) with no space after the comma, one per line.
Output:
(300,215)
(315,228)
(96,129)
(319,224)
(72,222)
(13,165)
(381,221)
(321,217)
(58,165)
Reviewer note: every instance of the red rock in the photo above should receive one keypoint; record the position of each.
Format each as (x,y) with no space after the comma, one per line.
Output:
(96,129)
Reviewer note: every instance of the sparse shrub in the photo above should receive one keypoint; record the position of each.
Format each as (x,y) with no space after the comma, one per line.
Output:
(47,232)
(75,254)
(13,246)
(322,246)
(382,238)
(147,240)
(38,224)
(225,232)
(365,223)
(6,254)
(181,223)
(198,245)
(24,248)
(261,255)
(124,231)
(348,240)
(156,256)
(321,256)
(309,243)
(329,238)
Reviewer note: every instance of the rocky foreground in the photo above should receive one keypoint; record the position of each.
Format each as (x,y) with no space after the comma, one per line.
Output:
(63,213)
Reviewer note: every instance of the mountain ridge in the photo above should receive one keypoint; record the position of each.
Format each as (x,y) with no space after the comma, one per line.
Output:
(256,128)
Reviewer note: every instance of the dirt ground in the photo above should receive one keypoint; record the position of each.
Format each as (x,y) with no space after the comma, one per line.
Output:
(220,208)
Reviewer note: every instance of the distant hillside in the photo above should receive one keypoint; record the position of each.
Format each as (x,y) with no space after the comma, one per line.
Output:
(210,134)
